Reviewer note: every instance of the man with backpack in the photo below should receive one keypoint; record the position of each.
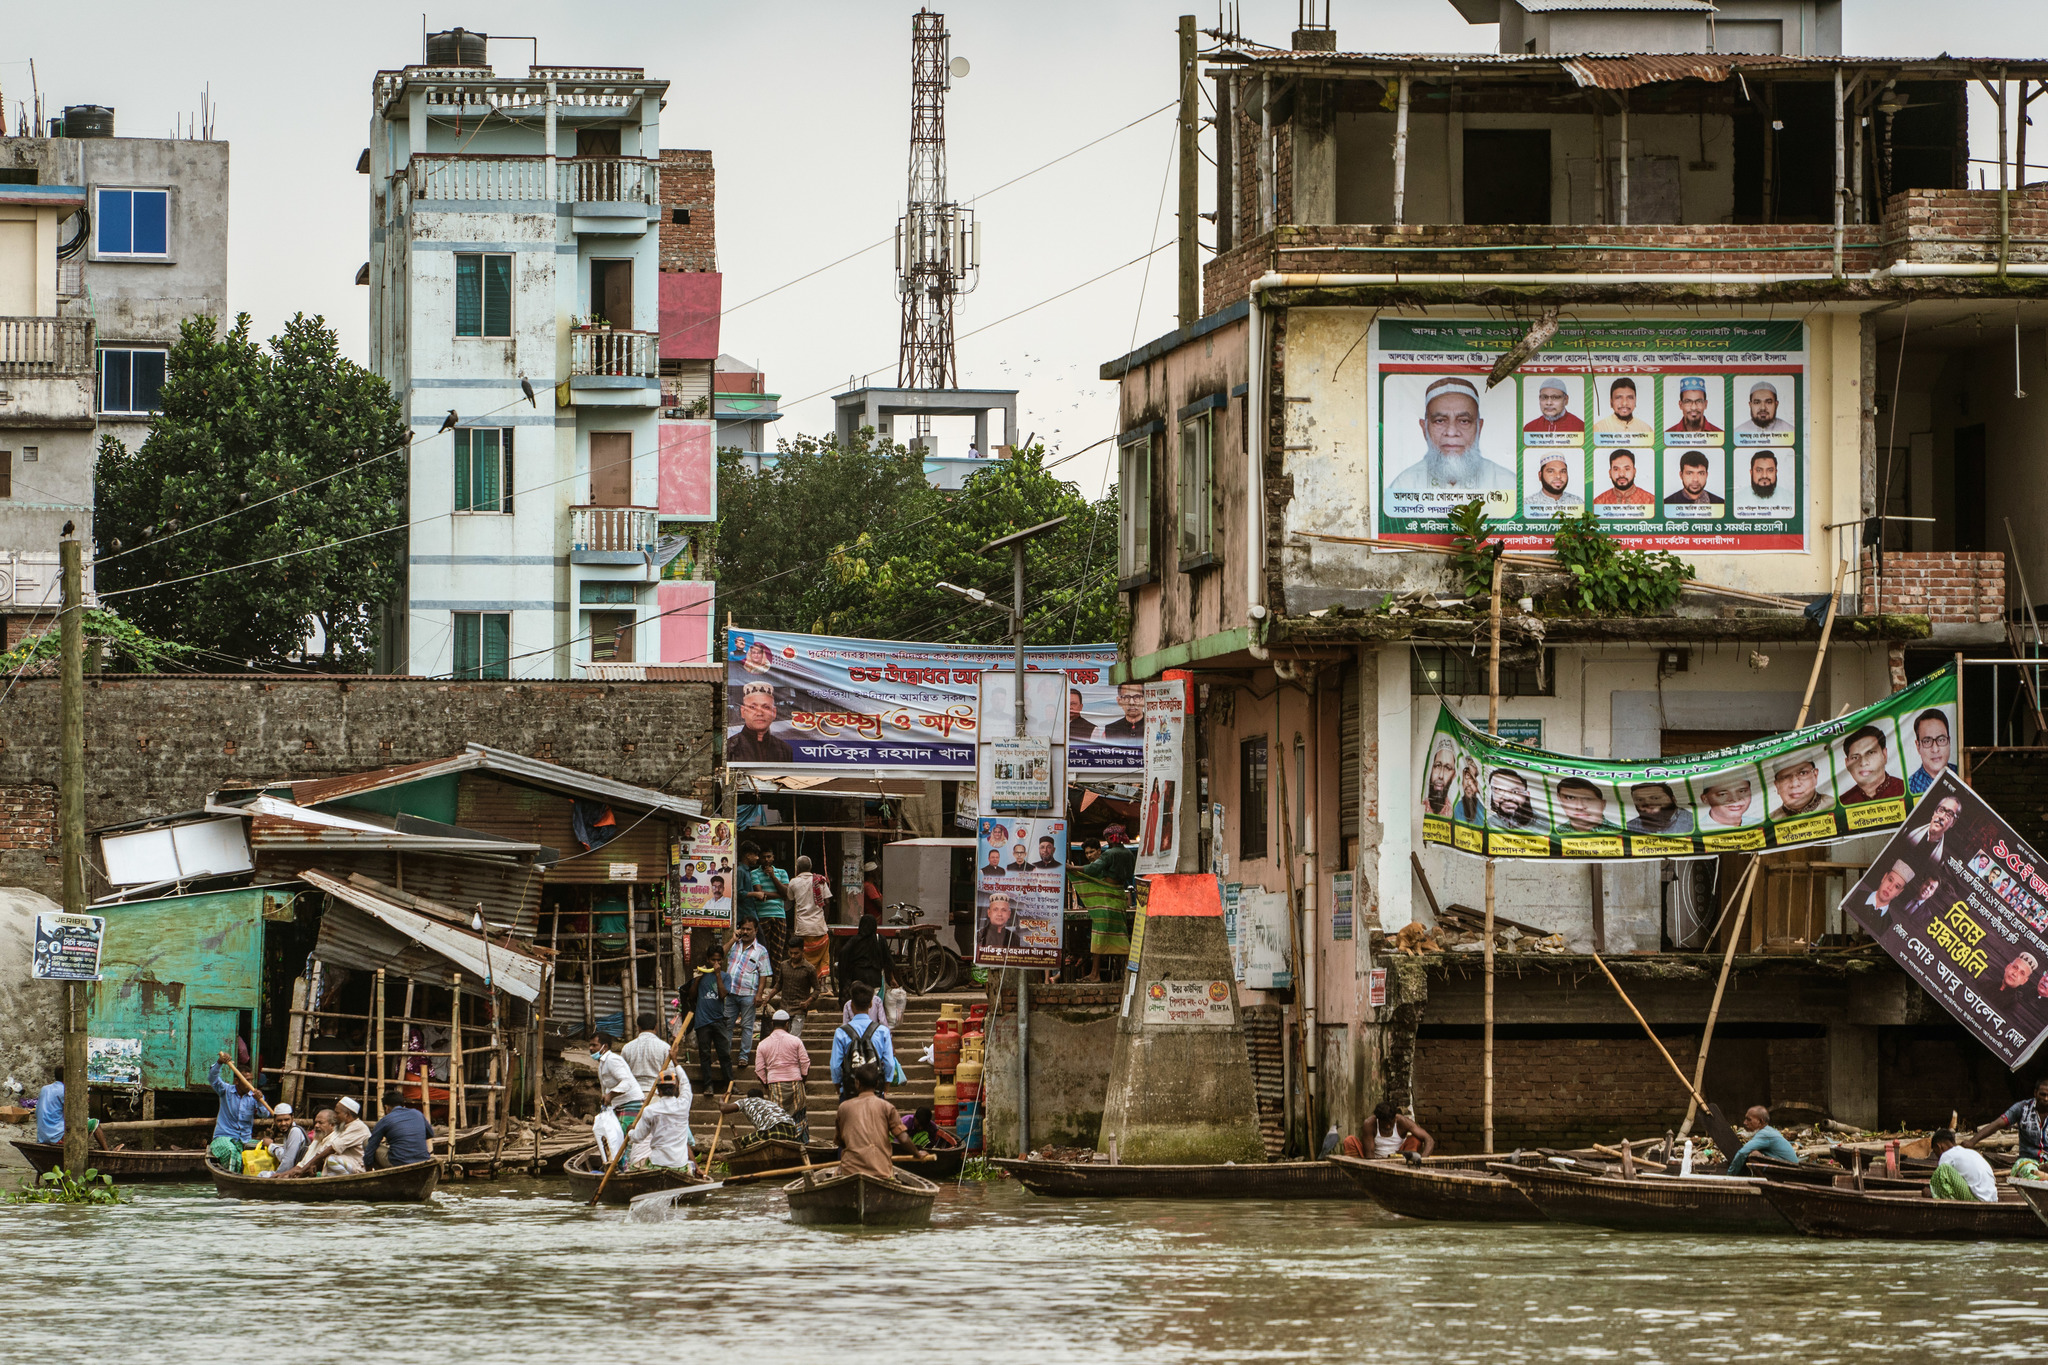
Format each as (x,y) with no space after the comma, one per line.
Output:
(859,1042)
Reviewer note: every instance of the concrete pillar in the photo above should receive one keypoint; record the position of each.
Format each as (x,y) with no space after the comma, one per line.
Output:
(1390,734)
(981,430)
(1315,154)
(1180,1089)
(1852,1074)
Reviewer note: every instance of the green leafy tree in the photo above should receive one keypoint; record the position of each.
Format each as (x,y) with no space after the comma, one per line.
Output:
(128,649)
(854,542)
(285,443)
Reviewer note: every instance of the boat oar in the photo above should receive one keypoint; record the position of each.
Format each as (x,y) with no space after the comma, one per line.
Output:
(1717,1124)
(664,1198)
(252,1089)
(752,1176)
(613,1164)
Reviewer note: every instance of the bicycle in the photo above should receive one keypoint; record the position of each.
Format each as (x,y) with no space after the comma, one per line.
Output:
(924,964)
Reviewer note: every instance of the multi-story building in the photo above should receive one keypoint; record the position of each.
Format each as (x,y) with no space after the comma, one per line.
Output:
(514,307)
(1793,237)
(107,244)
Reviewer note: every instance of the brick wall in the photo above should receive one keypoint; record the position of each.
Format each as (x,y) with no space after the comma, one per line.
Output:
(687,182)
(1946,588)
(1549,1092)
(156,746)
(28,816)
(1962,225)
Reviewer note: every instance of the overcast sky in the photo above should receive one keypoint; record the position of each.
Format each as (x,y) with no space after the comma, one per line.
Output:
(805,105)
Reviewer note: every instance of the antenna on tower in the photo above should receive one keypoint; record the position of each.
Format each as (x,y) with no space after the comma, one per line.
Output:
(938,243)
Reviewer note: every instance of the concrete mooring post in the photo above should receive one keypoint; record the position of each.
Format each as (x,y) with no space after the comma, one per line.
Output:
(1180,1085)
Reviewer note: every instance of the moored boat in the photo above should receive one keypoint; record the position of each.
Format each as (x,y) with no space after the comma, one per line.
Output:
(772,1154)
(1826,1175)
(409,1184)
(2035,1192)
(1901,1217)
(1648,1203)
(1253,1180)
(832,1198)
(164,1166)
(586,1172)
(1462,1191)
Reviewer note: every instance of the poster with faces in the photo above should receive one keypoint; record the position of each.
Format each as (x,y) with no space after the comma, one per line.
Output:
(1554,410)
(1624,485)
(1693,483)
(1627,407)
(1553,482)
(1764,406)
(1765,483)
(1693,410)
(1728,801)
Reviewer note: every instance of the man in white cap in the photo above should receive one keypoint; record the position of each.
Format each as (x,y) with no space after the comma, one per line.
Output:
(288,1140)
(1763,412)
(1621,416)
(1692,406)
(340,1152)
(661,1135)
(1554,398)
(1451,461)
(783,1064)
(1552,496)
(753,742)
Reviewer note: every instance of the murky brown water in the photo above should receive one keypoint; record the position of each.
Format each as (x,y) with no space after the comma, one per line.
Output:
(505,1271)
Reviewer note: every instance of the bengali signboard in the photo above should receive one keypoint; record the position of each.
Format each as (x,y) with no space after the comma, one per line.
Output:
(1020,888)
(67,947)
(1961,902)
(1682,435)
(1204,1004)
(1020,774)
(705,875)
(1165,725)
(1856,775)
(820,704)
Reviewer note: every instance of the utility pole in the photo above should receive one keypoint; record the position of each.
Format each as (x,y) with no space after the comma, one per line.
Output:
(1190,220)
(1492,728)
(71,826)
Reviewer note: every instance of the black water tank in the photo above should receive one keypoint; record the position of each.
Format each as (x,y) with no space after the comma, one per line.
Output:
(457,47)
(88,120)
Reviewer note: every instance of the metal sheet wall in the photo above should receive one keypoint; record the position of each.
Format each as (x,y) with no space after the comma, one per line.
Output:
(515,811)
(1350,736)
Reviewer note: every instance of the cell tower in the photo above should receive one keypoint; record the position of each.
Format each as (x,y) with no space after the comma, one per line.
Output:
(938,243)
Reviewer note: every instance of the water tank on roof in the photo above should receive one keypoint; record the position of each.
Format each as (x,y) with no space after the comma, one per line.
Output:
(88,120)
(457,47)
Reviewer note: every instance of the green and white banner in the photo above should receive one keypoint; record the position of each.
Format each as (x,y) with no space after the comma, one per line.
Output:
(1855,775)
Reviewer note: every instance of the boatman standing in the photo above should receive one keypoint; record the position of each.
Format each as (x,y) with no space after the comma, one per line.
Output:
(617,1090)
(661,1135)
(237,1117)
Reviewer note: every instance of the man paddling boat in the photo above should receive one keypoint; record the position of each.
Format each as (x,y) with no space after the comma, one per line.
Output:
(868,1124)
(661,1135)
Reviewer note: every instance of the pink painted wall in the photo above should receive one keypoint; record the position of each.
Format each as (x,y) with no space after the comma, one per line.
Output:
(686,624)
(690,301)
(687,469)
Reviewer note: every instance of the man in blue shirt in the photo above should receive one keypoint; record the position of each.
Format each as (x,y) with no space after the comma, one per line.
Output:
(709,1004)
(863,1026)
(1764,1141)
(2029,1116)
(401,1136)
(238,1103)
(50,1109)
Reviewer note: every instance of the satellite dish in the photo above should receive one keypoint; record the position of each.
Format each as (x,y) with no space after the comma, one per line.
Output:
(958,66)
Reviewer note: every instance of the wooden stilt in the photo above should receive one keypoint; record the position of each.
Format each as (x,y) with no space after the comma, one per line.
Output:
(377,1027)
(294,1043)
(457,1100)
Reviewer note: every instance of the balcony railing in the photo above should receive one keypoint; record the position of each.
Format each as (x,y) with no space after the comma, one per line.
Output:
(42,348)
(614,530)
(626,355)
(578,180)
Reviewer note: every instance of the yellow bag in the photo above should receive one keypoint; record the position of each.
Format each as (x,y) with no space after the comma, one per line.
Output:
(257,1160)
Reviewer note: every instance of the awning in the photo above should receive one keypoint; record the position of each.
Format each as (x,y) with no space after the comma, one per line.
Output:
(389,935)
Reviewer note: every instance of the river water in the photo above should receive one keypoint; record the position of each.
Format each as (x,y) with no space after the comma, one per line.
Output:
(515,1271)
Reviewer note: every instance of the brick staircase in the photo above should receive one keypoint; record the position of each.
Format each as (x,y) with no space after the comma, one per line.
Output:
(910,1039)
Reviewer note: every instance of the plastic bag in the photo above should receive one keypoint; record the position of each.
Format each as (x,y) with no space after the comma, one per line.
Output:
(610,1134)
(258,1161)
(897,1000)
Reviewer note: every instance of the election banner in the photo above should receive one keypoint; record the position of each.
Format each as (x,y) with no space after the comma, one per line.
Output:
(704,875)
(1961,902)
(1681,435)
(1165,726)
(821,704)
(1020,890)
(1855,775)
(67,947)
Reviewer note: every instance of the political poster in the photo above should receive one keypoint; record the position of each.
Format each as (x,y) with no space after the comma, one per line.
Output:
(1268,939)
(1686,435)
(1858,774)
(821,704)
(67,947)
(1200,1004)
(1020,889)
(1165,727)
(1960,901)
(1020,774)
(706,870)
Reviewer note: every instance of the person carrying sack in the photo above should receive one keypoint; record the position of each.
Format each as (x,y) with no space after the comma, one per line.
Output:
(861,1041)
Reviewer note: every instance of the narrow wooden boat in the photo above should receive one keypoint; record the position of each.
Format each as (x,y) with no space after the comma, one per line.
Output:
(1254,1180)
(2035,1192)
(585,1171)
(1460,1192)
(1648,1203)
(772,1154)
(167,1165)
(1827,1175)
(831,1199)
(1893,1217)
(409,1184)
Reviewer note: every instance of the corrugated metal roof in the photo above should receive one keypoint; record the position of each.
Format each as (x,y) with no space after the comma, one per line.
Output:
(320,791)
(1536,65)
(403,939)
(1561,6)
(281,824)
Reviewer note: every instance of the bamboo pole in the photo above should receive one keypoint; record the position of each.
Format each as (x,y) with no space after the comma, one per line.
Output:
(1486,942)
(295,1040)
(378,1025)
(458,1102)
(675,1045)
(419,1076)
(1690,1088)
(1294,938)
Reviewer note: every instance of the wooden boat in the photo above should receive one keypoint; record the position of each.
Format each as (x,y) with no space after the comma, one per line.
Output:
(164,1166)
(2035,1192)
(585,1171)
(409,1184)
(1461,1190)
(1894,1217)
(1648,1203)
(1253,1180)
(832,1199)
(1827,1175)
(772,1154)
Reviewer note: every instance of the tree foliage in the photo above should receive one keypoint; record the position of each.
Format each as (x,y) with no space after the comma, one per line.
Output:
(853,541)
(242,423)
(128,649)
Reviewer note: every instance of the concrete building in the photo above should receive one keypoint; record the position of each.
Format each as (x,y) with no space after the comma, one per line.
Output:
(1796,28)
(1379,215)
(513,248)
(107,244)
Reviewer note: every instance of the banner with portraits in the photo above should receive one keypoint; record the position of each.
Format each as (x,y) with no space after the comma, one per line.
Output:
(1855,775)
(1682,435)
(1961,902)
(1166,718)
(705,874)
(822,704)
(1020,891)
